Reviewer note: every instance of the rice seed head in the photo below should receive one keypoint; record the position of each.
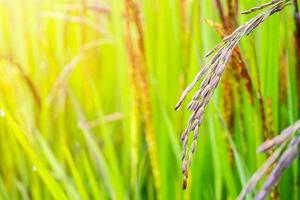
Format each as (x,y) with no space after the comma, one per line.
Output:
(212,73)
(284,155)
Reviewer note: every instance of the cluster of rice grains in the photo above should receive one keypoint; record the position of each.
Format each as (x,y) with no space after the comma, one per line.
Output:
(287,143)
(212,72)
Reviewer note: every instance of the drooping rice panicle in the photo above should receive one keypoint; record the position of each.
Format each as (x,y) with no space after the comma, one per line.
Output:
(285,160)
(212,73)
(284,155)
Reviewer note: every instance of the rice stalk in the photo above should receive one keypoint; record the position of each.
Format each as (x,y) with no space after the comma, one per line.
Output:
(135,99)
(297,48)
(231,15)
(212,73)
(135,104)
(220,11)
(141,85)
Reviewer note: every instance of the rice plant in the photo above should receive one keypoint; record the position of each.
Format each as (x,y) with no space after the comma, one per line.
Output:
(88,88)
(214,70)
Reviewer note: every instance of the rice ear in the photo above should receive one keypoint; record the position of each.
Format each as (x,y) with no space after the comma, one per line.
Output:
(213,71)
(277,162)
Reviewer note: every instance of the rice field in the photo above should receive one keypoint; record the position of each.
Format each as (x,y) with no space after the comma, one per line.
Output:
(88,92)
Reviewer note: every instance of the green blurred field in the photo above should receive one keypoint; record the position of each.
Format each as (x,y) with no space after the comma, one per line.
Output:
(76,124)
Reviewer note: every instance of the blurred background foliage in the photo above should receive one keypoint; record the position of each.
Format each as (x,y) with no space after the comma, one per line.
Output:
(88,89)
